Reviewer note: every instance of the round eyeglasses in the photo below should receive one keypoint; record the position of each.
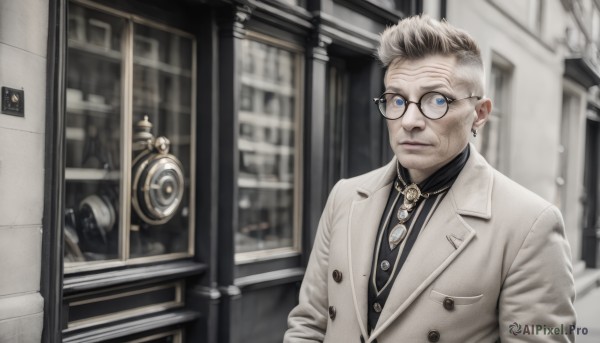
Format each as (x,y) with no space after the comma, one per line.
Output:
(433,105)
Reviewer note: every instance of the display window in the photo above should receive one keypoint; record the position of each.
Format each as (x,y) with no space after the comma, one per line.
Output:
(269,148)
(129,140)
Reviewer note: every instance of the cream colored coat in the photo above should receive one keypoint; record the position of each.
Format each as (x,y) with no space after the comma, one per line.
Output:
(511,264)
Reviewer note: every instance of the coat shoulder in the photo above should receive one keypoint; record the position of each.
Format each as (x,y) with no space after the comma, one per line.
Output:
(510,195)
(362,186)
(365,184)
(516,210)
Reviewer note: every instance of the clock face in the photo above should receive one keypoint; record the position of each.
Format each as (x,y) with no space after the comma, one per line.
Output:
(157,187)
(163,187)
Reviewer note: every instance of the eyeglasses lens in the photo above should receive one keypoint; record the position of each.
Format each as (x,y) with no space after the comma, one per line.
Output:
(432,104)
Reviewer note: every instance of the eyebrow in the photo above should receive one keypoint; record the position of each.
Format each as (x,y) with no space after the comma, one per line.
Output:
(438,87)
(435,86)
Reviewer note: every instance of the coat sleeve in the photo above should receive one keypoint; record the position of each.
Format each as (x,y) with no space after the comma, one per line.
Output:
(307,322)
(538,291)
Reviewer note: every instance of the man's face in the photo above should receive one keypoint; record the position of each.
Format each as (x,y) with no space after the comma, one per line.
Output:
(423,145)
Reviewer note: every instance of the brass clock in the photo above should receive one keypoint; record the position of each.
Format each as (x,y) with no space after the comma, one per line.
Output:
(157,178)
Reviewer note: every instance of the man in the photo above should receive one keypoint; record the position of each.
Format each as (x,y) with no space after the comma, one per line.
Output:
(437,245)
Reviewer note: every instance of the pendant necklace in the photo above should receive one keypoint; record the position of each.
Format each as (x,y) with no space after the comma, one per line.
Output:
(412,195)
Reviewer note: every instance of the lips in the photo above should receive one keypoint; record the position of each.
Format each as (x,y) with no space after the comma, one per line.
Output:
(412,146)
(411,143)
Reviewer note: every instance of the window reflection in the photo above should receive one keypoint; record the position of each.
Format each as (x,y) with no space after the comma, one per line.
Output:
(267,147)
(100,223)
(162,91)
(93,144)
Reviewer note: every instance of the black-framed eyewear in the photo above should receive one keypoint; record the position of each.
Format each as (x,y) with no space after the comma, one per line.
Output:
(433,105)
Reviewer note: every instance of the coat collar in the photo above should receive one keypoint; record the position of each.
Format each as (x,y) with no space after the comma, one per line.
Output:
(382,177)
(440,242)
(471,193)
(475,180)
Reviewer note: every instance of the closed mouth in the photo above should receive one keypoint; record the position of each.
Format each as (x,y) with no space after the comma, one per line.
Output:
(413,143)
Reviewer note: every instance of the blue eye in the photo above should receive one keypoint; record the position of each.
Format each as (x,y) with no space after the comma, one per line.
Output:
(399,102)
(440,101)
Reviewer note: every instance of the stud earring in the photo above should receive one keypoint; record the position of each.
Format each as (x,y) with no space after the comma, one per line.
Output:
(474,132)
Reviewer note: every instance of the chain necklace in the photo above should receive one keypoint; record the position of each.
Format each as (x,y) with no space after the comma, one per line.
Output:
(412,195)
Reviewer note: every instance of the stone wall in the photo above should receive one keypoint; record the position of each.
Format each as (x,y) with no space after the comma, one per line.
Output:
(23,41)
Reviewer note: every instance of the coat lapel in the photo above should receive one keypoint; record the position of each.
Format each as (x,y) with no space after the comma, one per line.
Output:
(365,217)
(442,240)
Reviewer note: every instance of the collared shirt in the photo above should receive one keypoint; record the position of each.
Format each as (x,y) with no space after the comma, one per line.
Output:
(387,262)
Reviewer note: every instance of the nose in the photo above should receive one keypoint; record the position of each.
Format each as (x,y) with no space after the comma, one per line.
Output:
(413,118)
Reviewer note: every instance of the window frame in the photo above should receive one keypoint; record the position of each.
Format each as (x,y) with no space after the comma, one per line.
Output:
(126,135)
(295,249)
(502,152)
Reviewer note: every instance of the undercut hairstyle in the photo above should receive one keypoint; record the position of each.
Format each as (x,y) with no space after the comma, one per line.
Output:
(421,36)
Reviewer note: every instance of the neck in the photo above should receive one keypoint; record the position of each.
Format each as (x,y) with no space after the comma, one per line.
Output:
(434,177)
(418,175)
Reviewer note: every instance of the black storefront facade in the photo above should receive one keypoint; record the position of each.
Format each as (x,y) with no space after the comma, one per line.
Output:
(190,149)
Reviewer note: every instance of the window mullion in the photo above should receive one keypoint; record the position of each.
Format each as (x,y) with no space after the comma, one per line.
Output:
(126,134)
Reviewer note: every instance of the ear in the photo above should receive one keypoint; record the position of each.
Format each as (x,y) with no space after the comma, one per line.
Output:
(482,112)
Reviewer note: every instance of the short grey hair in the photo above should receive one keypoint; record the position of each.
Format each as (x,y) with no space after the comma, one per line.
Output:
(421,36)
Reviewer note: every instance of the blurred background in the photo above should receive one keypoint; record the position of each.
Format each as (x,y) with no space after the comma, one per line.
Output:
(109,234)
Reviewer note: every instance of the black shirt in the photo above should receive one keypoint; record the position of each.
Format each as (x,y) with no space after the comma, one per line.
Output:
(388,261)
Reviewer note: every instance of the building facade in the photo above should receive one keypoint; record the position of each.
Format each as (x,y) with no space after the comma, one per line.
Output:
(541,61)
(163,166)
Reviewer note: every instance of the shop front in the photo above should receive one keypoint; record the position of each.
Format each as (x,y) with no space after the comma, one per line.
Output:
(191,147)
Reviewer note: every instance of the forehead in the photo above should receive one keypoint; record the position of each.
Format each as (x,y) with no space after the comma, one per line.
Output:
(429,72)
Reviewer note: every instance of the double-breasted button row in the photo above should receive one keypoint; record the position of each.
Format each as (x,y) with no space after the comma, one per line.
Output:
(448,303)
(332,312)
(337,276)
(433,336)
